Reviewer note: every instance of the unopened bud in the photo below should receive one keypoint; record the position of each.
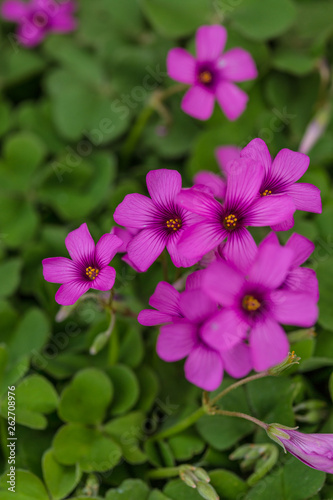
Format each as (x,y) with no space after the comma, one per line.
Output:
(277,433)
(291,360)
(186,474)
(64,312)
(201,474)
(298,335)
(99,342)
(207,491)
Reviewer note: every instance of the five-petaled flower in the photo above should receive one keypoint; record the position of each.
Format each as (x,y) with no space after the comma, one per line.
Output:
(280,177)
(255,302)
(212,74)
(160,220)
(87,268)
(37,18)
(314,450)
(242,207)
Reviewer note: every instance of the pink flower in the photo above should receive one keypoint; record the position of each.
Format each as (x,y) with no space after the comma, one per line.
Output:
(166,300)
(87,268)
(160,220)
(254,303)
(211,74)
(126,235)
(37,18)
(298,279)
(194,338)
(281,176)
(314,450)
(243,207)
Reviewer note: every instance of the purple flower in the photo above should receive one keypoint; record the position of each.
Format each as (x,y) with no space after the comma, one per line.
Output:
(298,279)
(281,176)
(87,268)
(166,300)
(257,304)
(211,74)
(314,450)
(159,219)
(194,338)
(37,18)
(243,207)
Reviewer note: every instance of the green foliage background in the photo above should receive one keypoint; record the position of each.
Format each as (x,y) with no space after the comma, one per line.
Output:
(77,134)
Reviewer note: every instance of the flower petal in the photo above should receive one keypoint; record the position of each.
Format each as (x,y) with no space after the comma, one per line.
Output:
(70,292)
(237,361)
(222,283)
(268,344)
(285,225)
(60,270)
(290,308)
(166,299)
(80,245)
(244,180)
(164,185)
(14,10)
(301,247)
(200,239)
(287,168)
(225,155)
(214,182)
(302,280)
(196,305)
(64,21)
(105,279)
(271,266)
(198,102)
(240,249)
(181,66)
(210,42)
(106,248)
(224,330)
(125,235)
(306,197)
(29,35)
(269,210)
(145,247)
(237,65)
(176,341)
(178,259)
(149,317)
(232,99)
(194,280)
(204,368)
(200,203)
(136,210)
(258,151)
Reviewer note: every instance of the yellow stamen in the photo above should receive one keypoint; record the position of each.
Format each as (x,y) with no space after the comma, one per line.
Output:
(92,273)
(205,77)
(250,303)
(174,224)
(267,192)
(230,221)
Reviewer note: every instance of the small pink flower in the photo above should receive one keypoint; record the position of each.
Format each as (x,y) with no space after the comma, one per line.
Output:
(281,176)
(87,268)
(37,18)
(314,450)
(212,74)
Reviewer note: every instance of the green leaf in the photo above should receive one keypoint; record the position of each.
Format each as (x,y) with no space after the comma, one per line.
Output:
(227,484)
(126,389)
(59,479)
(296,63)
(131,349)
(263,20)
(157,495)
(148,388)
(176,19)
(93,451)
(186,445)
(28,487)
(86,398)
(324,271)
(177,490)
(129,489)
(11,269)
(18,221)
(127,431)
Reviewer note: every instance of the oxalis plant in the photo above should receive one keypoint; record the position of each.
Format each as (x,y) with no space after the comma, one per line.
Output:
(224,310)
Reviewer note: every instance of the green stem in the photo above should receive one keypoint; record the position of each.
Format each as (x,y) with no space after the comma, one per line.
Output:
(163,473)
(238,414)
(164,261)
(182,425)
(136,132)
(238,384)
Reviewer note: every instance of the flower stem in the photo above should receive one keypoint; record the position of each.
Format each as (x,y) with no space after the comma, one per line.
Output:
(238,384)
(182,425)
(238,414)
(163,473)
(164,262)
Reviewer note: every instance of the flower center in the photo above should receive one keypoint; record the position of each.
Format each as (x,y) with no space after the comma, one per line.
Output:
(205,77)
(174,224)
(267,192)
(40,19)
(92,272)
(250,303)
(230,222)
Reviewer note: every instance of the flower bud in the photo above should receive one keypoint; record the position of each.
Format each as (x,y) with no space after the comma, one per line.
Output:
(186,474)
(201,474)
(207,491)
(291,360)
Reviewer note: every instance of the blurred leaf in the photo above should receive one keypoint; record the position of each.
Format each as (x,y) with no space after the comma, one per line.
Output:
(293,62)
(186,445)
(129,489)
(60,480)
(227,484)
(28,487)
(126,389)
(177,490)
(11,270)
(127,431)
(148,388)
